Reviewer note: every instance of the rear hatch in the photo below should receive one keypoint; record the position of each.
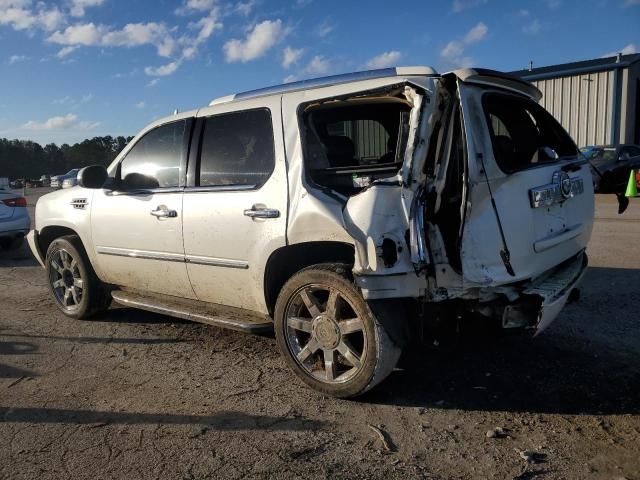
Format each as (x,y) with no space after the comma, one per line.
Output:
(529,204)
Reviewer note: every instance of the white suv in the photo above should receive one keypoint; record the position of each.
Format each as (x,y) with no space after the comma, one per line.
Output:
(333,210)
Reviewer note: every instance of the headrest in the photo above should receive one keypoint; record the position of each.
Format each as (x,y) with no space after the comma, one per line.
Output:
(340,146)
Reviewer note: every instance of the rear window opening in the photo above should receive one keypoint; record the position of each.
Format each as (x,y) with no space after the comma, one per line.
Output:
(349,144)
(524,134)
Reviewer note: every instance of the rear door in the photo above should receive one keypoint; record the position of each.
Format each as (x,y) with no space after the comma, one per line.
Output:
(520,155)
(235,206)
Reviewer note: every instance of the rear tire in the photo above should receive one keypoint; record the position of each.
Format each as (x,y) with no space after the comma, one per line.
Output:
(328,334)
(76,289)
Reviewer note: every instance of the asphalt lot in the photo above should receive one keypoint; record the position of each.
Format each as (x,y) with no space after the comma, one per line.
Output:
(138,395)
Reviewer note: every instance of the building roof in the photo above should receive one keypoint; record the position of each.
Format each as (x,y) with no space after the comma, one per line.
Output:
(575,68)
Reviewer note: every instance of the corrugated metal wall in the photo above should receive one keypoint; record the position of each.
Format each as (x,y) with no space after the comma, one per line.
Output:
(583,104)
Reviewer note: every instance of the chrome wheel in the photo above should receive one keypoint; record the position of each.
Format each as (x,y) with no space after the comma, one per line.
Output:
(66,280)
(324,334)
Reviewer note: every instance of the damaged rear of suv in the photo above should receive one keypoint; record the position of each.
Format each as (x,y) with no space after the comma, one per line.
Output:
(458,191)
(336,208)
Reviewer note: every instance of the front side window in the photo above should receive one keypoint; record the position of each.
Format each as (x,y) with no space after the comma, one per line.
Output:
(524,134)
(155,160)
(237,149)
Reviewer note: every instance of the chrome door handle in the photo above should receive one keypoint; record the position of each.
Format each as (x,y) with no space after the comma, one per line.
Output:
(259,211)
(162,211)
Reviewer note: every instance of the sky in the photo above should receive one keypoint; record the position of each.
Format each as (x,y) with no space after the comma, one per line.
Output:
(74,69)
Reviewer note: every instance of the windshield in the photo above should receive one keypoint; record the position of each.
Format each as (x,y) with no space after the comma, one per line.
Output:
(599,154)
(524,134)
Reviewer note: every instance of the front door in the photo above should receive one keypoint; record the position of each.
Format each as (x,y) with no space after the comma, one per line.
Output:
(235,211)
(137,228)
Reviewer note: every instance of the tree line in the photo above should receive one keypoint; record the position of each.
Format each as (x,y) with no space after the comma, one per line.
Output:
(27,159)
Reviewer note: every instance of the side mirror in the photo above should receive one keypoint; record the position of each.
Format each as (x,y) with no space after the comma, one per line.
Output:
(92,177)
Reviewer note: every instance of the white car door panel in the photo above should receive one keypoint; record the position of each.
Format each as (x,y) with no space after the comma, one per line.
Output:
(235,213)
(137,228)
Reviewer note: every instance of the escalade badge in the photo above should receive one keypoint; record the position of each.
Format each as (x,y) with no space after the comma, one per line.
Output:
(561,188)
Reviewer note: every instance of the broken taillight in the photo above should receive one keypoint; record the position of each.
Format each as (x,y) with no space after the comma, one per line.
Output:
(15,202)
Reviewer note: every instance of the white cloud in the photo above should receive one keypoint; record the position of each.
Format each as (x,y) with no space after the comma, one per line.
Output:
(20,15)
(386,59)
(260,39)
(245,8)
(523,12)
(193,6)
(289,79)
(452,49)
(627,50)
(291,56)
(207,26)
(131,35)
(77,7)
(17,58)
(452,55)
(553,4)
(325,28)
(140,105)
(72,102)
(460,5)
(153,82)
(163,70)
(66,122)
(476,34)
(318,66)
(629,3)
(532,27)
(63,52)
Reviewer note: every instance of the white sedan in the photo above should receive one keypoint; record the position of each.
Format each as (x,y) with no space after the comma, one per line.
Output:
(14,219)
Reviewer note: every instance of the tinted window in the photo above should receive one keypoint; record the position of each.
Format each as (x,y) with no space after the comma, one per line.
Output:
(237,149)
(524,134)
(154,161)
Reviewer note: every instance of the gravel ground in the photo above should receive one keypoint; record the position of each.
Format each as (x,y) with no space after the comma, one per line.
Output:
(138,395)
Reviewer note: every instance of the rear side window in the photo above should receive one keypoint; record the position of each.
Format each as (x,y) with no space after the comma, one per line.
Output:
(155,160)
(237,149)
(524,134)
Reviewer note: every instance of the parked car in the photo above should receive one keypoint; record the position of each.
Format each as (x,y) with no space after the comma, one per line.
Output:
(58,180)
(4,182)
(14,219)
(46,180)
(611,166)
(69,182)
(34,183)
(352,210)
(17,183)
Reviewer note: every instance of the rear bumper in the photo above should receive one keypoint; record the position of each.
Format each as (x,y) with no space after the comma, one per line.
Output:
(32,240)
(555,289)
(14,227)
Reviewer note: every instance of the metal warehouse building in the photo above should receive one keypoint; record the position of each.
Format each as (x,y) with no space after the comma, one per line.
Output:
(597,101)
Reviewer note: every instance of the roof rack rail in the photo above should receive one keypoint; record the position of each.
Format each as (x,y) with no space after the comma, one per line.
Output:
(328,81)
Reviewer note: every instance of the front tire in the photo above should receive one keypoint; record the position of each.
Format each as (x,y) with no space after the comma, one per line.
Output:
(76,289)
(328,334)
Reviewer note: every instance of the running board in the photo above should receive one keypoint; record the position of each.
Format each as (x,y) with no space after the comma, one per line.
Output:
(196,311)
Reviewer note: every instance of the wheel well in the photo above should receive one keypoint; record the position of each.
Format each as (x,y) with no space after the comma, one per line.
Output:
(49,234)
(286,261)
